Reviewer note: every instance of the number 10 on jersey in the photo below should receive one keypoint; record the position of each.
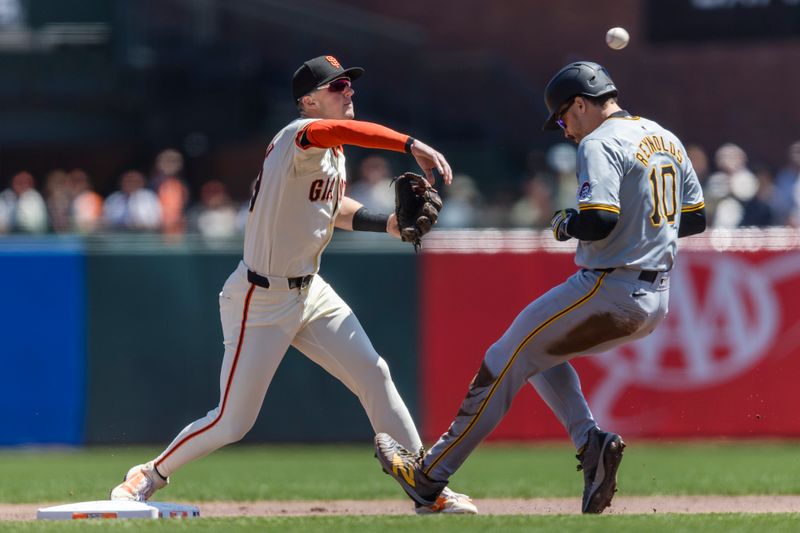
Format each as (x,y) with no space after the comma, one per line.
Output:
(664,194)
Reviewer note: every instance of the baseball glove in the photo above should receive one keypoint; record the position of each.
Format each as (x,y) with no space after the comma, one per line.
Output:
(417,206)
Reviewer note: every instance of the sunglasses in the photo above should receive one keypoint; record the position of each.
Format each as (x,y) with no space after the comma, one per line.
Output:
(562,112)
(337,86)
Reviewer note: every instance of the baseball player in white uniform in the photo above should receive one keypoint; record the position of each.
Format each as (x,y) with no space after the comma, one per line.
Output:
(637,194)
(275,298)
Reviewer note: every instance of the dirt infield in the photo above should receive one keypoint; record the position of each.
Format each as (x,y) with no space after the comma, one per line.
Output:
(538,506)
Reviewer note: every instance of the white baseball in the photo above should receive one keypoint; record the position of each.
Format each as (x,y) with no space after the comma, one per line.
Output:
(617,38)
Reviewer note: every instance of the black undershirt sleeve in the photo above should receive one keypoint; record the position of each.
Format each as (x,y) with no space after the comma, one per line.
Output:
(365,220)
(692,222)
(592,224)
(597,224)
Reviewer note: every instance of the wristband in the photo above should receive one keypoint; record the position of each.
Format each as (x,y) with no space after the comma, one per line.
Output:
(409,142)
(364,220)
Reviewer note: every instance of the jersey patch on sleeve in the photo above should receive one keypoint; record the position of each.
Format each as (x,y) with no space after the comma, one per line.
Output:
(585,192)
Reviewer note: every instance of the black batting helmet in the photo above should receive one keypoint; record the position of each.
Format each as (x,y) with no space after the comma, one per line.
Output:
(581,78)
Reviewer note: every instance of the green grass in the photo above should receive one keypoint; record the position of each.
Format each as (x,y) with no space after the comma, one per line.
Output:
(733,523)
(247,473)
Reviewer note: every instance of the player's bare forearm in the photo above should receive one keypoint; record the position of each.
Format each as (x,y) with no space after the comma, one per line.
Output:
(344,220)
(353,216)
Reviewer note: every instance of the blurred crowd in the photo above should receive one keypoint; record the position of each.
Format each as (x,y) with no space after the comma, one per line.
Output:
(154,203)
(738,193)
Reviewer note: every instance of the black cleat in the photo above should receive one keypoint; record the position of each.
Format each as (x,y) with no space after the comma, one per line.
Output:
(600,459)
(404,467)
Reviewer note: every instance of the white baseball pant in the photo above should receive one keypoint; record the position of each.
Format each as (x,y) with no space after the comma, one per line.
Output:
(259,325)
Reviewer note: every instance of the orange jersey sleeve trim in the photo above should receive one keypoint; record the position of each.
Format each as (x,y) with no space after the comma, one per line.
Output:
(330,133)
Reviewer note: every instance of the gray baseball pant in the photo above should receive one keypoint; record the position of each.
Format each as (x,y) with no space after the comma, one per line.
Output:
(591,312)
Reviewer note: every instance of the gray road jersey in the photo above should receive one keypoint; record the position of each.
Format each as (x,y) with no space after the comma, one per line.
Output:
(634,167)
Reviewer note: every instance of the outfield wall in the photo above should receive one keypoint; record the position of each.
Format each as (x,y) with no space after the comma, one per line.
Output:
(115,340)
(43,347)
(723,363)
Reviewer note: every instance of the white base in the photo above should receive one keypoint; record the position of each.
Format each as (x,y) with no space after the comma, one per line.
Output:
(117,509)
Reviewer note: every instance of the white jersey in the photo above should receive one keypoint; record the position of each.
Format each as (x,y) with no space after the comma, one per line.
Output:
(634,167)
(294,206)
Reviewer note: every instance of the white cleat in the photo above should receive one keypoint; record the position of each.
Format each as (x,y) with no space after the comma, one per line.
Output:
(449,502)
(139,484)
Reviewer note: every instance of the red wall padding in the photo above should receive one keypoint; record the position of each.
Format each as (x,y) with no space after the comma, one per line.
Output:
(723,363)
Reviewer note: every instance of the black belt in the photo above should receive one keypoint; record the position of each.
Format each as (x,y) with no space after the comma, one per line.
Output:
(645,275)
(294,283)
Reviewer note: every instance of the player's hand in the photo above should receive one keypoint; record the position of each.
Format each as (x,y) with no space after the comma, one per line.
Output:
(392,227)
(429,160)
(559,224)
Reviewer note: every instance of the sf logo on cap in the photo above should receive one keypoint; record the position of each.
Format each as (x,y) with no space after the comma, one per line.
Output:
(333,61)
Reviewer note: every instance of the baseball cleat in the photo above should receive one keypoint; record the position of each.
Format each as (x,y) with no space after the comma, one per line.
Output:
(404,467)
(599,459)
(448,502)
(139,484)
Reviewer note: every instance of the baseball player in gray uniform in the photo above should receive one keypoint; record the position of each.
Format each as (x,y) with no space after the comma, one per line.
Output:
(637,193)
(275,298)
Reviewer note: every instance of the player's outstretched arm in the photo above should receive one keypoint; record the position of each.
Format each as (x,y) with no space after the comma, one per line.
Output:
(328,133)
